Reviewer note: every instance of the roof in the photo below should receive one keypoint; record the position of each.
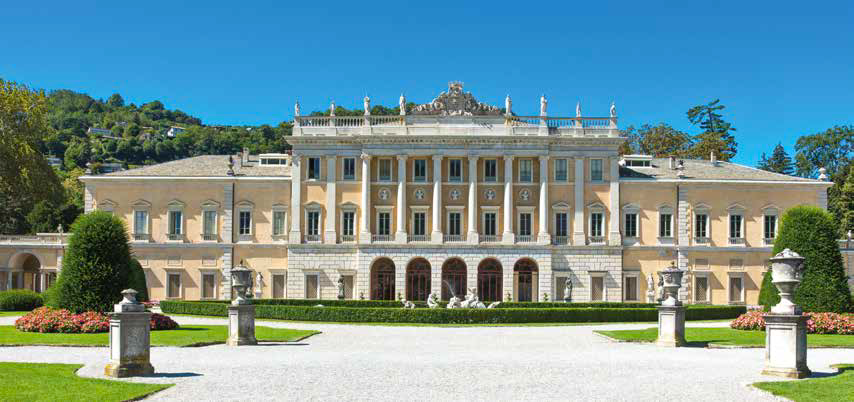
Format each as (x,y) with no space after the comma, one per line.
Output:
(699,169)
(205,166)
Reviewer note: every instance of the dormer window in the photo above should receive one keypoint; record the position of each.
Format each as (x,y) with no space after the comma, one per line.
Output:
(273,159)
(637,160)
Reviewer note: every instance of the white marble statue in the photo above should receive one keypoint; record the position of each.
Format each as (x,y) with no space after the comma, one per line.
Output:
(578,109)
(367,105)
(508,106)
(613,110)
(493,304)
(332,108)
(650,289)
(340,288)
(432,300)
(408,304)
(454,302)
(544,103)
(296,109)
(401,103)
(259,285)
(567,290)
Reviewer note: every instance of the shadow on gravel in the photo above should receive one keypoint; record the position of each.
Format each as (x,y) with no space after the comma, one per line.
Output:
(262,343)
(839,370)
(173,375)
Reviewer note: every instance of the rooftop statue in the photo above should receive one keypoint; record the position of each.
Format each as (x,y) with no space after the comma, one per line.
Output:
(455,102)
(508,106)
(402,105)
(367,105)
(578,109)
(544,103)
(613,110)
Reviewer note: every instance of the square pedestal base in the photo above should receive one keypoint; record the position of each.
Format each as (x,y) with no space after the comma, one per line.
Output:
(128,369)
(671,326)
(241,325)
(786,346)
(130,345)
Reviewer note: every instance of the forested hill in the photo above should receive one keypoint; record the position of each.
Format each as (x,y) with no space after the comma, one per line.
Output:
(138,134)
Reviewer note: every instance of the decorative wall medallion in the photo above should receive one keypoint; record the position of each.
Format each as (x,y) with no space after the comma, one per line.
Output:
(489,194)
(525,195)
(419,194)
(384,194)
(455,194)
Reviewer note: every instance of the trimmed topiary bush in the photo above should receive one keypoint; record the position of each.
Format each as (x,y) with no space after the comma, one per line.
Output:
(96,267)
(20,300)
(136,281)
(810,232)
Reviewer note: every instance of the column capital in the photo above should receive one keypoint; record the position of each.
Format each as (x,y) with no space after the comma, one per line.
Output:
(437,157)
(543,158)
(402,157)
(508,157)
(474,157)
(365,157)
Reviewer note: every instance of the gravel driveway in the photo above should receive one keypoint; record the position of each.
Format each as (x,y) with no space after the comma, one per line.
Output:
(357,362)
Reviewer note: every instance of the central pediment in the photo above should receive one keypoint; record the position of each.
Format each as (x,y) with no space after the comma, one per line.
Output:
(456,102)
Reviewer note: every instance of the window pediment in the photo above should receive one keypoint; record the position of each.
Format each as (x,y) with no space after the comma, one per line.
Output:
(107,203)
(245,204)
(736,208)
(561,206)
(141,204)
(210,204)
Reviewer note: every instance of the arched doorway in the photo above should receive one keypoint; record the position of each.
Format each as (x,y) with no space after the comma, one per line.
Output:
(489,280)
(525,277)
(417,279)
(31,269)
(382,279)
(24,271)
(453,277)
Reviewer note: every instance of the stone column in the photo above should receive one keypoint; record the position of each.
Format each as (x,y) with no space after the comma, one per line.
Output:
(130,339)
(295,235)
(365,222)
(614,237)
(508,237)
(472,236)
(330,235)
(543,237)
(436,236)
(400,234)
(578,237)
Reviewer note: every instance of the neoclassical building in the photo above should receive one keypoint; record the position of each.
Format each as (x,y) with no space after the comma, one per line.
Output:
(455,194)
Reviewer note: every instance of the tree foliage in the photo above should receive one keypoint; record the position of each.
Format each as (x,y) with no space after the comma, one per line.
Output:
(831,149)
(97,264)
(811,232)
(779,162)
(717,133)
(660,141)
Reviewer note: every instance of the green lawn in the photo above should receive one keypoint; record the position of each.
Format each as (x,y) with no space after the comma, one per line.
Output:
(12,313)
(836,388)
(58,382)
(188,335)
(726,336)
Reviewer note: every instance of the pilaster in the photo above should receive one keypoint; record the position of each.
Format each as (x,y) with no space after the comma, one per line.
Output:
(614,237)
(543,237)
(436,235)
(365,221)
(472,236)
(295,235)
(508,237)
(330,235)
(400,235)
(578,237)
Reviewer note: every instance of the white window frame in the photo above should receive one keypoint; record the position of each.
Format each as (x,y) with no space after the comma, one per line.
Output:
(314,208)
(636,275)
(279,209)
(380,162)
(730,277)
(415,177)
(732,211)
(349,208)
(631,209)
(384,209)
(451,177)
(494,177)
(142,206)
(203,274)
(344,175)
(418,209)
(245,207)
(601,171)
(591,210)
(702,210)
(561,208)
(530,164)
(707,275)
(318,171)
(489,210)
(665,210)
(566,170)
(210,206)
(175,206)
(769,211)
(524,211)
(454,209)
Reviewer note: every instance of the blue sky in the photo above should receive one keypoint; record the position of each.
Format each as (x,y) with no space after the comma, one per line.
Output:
(783,69)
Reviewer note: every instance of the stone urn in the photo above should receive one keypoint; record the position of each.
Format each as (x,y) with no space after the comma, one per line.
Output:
(672,276)
(786,271)
(241,278)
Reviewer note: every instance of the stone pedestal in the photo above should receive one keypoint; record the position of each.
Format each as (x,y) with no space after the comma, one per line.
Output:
(671,326)
(786,346)
(241,325)
(130,339)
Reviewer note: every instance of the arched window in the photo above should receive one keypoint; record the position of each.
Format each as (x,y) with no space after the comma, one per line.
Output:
(417,279)
(382,279)
(453,277)
(489,280)
(525,275)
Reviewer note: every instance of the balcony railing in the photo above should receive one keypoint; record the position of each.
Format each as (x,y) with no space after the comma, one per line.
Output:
(381,238)
(141,236)
(701,240)
(560,240)
(451,238)
(490,238)
(315,238)
(768,241)
(419,238)
(596,239)
(524,239)
(175,236)
(209,237)
(736,240)
(348,239)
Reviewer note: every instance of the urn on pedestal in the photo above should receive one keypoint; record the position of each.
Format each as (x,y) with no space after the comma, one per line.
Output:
(671,312)
(241,312)
(130,339)
(785,325)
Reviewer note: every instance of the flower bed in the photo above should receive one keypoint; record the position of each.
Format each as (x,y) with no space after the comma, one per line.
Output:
(47,320)
(817,323)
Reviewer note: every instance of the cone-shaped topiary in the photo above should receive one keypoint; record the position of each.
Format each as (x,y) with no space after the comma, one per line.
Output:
(96,267)
(810,232)
(136,281)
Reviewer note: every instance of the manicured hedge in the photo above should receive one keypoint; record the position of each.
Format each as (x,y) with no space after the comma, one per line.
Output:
(450,316)
(20,300)
(395,304)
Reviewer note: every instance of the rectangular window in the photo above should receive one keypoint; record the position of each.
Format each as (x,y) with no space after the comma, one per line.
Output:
(455,170)
(561,224)
(349,169)
(174,286)
(209,225)
(597,288)
(561,171)
(526,170)
(278,286)
(596,170)
(278,223)
(770,227)
(385,170)
(140,222)
(665,225)
(489,224)
(176,222)
(208,286)
(314,168)
(736,286)
(701,226)
(631,225)
(419,224)
(313,228)
(490,170)
(701,292)
(735,226)
(631,288)
(419,170)
(245,220)
(454,223)
(596,221)
(525,224)
(348,223)
(311,286)
(384,224)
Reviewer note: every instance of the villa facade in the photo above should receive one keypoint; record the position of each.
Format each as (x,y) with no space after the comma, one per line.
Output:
(455,194)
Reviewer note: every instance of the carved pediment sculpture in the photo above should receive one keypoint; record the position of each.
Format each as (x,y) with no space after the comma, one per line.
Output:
(455,102)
